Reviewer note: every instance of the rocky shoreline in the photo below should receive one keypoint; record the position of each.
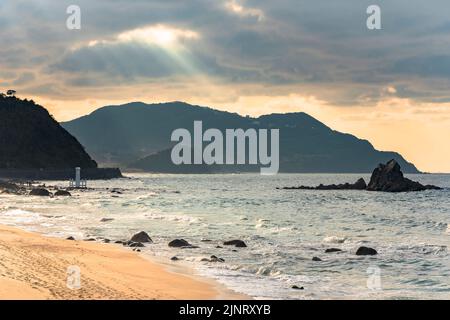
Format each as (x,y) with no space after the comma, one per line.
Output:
(386,178)
(59,174)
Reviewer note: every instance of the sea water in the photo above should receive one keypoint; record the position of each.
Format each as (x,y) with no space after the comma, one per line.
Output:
(283,229)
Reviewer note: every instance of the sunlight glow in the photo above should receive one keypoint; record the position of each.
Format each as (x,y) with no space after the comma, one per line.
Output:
(239,9)
(158,35)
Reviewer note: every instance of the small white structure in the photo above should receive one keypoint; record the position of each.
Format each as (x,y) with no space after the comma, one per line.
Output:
(78,183)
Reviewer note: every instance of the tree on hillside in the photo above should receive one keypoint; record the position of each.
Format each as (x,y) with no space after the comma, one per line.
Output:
(11,93)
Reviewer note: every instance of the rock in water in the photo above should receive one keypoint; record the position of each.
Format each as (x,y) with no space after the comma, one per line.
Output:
(389,178)
(331,250)
(40,192)
(316,259)
(179,243)
(358,185)
(365,251)
(141,237)
(236,243)
(135,244)
(297,288)
(62,193)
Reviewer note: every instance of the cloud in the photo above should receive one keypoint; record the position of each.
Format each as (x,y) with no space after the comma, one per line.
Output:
(235,7)
(319,48)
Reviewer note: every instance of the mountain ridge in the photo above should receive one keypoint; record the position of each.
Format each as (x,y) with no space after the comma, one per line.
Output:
(131,132)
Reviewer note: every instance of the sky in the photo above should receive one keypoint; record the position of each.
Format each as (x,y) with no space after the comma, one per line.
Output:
(389,86)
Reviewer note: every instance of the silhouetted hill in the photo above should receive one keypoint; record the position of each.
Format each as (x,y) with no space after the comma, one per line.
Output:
(124,134)
(31,139)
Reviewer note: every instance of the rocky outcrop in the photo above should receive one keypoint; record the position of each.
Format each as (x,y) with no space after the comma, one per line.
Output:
(236,243)
(386,177)
(11,188)
(365,251)
(179,243)
(31,139)
(62,193)
(389,178)
(141,237)
(358,185)
(40,192)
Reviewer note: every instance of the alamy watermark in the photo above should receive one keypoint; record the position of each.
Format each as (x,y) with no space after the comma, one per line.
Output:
(73,21)
(231,150)
(374,20)
(73,281)
(374,278)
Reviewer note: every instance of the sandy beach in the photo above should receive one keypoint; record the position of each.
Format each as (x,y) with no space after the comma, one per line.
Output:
(36,267)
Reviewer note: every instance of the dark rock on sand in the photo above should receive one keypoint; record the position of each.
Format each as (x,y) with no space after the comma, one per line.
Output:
(389,178)
(174,259)
(236,243)
(141,237)
(70,238)
(90,239)
(40,192)
(118,241)
(179,243)
(331,250)
(316,259)
(365,251)
(63,193)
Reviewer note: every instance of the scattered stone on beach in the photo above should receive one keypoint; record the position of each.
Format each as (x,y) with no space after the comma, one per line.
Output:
(389,178)
(316,259)
(331,250)
(90,239)
(236,243)
(174,258)
(118,241)
(116,191)
(135,244)
(70,238)
(219,247)
(141,237)
(179,243)
(212,259)
(297,288)
(216,259)
(41,192)
(63,193)
(11,188)
(205,240)
(365,251)
(106,240)
(106,219)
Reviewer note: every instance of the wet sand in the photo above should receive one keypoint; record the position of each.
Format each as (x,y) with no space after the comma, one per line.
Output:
(38,267)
